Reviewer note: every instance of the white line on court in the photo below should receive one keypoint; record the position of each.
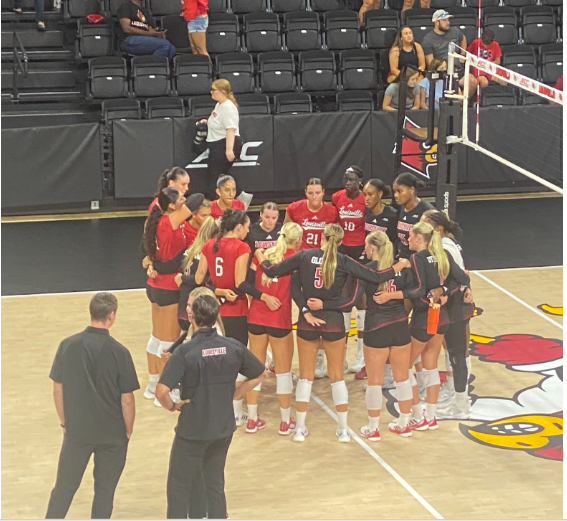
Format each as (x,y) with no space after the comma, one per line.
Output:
(518,300)
(517,269)
(387,467)
(73,293)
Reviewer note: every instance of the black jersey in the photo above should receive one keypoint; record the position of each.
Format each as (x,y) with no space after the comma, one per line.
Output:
(457,309)
(386,222)
(259,238)
(424,266)
(405,222)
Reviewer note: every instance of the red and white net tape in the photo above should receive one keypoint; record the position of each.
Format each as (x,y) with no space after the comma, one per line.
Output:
(513,78)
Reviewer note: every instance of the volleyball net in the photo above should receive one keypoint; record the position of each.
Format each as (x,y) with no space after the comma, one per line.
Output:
(535,148)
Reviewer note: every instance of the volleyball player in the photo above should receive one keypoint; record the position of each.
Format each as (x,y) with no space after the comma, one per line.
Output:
(164,238)
(226,190)
(225,259)
(174,177)
(265,233)
(322,274)
(313,214)
(433,269)
(274,326)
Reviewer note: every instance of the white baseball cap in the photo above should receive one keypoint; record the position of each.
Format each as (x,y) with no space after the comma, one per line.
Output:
(441,14)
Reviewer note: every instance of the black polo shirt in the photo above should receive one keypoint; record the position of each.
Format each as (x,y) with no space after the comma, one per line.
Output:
(207,367)
(95,371)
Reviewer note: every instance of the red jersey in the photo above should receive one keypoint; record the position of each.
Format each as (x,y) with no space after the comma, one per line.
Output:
(488,52)
(259,312)
(169,243)
(313,223)
(190,9)
(217,211)
(221,270)
(559,83)
(351,217)
(153,203)
(190,234)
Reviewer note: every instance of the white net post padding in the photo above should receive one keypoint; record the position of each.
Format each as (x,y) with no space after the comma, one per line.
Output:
(510,149)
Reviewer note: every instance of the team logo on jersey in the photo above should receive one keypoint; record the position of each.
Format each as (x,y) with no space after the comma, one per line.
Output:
(246,158)
(416,156)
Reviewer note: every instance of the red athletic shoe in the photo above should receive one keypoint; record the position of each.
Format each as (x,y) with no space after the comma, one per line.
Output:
(254,426)
(404,432)
(365,432)
(433,424)
(287,428)
(418,425)
(361,375)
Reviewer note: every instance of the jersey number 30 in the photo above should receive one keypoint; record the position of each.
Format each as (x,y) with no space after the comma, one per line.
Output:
(218,267)
(318,283)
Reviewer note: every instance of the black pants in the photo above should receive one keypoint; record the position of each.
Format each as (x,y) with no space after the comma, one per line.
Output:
(218,165)
(188,459)
(109,461)
(456,341)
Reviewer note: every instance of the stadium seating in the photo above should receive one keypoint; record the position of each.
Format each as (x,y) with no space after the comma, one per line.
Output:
(253,104)
(107,78)
(292,103)
(93,40)
(444,4)
(150,76)
(420,22)
(238,69)
(498,96)
(276,72)
(302,31)
(287,6)
(223,33)
(320,6)
(521,59)
(165,108)
(466,19)
(118,109)
(342,30)
(355,100)
(165,7)
(502,20)
(81,8)
(177,34)
(519,3)
(538,24)
(192,75)
(358,70)
(481,3)
(317,71)
(551,59)
(261,32)
(380,28)
(248,6)
(201,106)
(218,6)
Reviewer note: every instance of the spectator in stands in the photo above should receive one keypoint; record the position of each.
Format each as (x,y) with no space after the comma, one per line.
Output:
(39,7)
(405,51)
(485,47)
(137,33)
(392,94)
(367,5)
(435,65)
(436,45)
(195,13)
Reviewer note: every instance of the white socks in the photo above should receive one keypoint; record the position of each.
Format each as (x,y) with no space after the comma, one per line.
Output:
(237,406)
(430,410)
(462,401)
(342,419)
(373,422)
(450,383)
(404,419)
(416,412)
(154,379)
(286,414)
(252,411)
(301,419)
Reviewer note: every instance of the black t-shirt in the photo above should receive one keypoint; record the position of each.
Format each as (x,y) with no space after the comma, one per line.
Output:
(139,18)
(207,367)
(386,222)
(95,371)
(259,238)
(405,222)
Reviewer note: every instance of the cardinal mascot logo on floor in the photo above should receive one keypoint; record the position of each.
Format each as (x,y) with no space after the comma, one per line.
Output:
(416,156)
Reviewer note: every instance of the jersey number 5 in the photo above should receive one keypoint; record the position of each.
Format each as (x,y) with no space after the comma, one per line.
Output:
(218,267)
(318,283)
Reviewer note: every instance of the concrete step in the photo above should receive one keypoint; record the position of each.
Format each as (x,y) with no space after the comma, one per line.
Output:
(40,80)
(33,39)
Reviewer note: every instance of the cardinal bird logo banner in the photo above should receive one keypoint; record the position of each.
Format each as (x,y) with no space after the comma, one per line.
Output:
(416,156)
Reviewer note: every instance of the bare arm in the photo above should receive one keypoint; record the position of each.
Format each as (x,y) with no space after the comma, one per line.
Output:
(394,60)
(202,270)
(428,59)
(420,56)
(179,216)
(422,98)
(241,269)
(58,399)
(386,103)
(128,411)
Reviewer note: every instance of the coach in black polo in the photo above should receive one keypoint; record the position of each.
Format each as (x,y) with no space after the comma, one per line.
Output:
(94,380)
(207,367)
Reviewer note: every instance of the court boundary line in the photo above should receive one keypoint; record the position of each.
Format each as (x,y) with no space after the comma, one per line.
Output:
(519,300)
(385,465)
(516,269)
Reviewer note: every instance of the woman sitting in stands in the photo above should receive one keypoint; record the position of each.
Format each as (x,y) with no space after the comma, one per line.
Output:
(405,51)
(392,94)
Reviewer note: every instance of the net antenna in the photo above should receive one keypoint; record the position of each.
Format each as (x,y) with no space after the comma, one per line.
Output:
(527,86)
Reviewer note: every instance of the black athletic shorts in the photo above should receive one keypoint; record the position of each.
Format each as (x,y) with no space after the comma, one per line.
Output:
(237,328)
(331,331)
(396,334)
(421,335)
(162,297)
(354,252)
(276,332)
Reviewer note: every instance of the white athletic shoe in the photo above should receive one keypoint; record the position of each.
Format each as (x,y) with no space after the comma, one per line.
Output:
(149,393)
(343,435)
(246,198)
(446,394)
(320,370)
(452,412)
(389,382)
(358,363)
(156,403)
(175,395)
(243,420)
(300,434)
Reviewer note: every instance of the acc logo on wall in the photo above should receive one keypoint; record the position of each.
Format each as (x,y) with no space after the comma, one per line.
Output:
(416,156)
(246,158)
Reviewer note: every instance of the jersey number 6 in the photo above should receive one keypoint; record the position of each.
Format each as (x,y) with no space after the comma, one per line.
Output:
(218,267)
(318,283)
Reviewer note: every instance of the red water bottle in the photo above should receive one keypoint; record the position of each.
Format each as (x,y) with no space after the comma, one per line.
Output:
(433,317)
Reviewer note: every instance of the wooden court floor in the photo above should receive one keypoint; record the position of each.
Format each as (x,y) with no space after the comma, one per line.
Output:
(507,462)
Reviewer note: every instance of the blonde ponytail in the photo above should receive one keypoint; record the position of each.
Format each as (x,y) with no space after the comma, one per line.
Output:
(334,235)
(199,292)
(289,233)
(433,243)
(384,252)
(208,230)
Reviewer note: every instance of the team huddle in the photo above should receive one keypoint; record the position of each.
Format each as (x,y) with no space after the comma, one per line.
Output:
(400,266)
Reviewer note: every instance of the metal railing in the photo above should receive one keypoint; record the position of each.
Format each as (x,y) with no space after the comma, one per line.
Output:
(20,65)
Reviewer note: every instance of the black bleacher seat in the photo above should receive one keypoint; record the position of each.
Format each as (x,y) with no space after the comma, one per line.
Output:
(81,8)
(287,6)
(317,71)
(355,100)
(420,22)
(481,3)
(238,69)
(107,78)
(117,109)
(177,33)
(93,40)
(113,5)
(381,27)
(527,98)
(201,106)
(302,31)
(150,76)
(358,70)
(262,32)
(223,33)
(342,30)
(320,6)
(444,4)
(466,19)
(165,108)
(253,104)
(165,7)
(384,66)
(276,72)
(218,6)
(521,59)
(551,60)
(538,24)
(502,20)
(248,6)
(497,96)
(192,75)
(519,3)
(293,103)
